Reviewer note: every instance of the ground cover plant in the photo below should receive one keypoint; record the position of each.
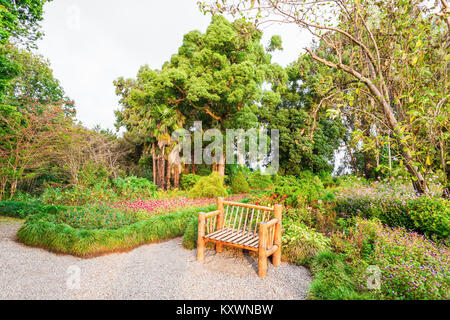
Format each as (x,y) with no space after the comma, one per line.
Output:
(45,230)
(107,227)
(343,230)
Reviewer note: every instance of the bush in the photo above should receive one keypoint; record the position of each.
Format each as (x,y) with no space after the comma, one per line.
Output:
(77,195)
(295,192)
(426,215)
(22,210)
(209,187)
(133,188)
(42,230)
(189,180)
(301,243)
(326,178)
(412,267)
(239,184)
(259,181)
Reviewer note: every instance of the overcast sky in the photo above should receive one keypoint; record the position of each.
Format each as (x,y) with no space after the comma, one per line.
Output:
(90,43)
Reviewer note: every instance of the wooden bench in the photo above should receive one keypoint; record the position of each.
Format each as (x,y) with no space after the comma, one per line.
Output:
(245,226)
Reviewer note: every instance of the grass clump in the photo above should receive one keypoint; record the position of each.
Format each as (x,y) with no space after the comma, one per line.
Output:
(42,230)
(301,244)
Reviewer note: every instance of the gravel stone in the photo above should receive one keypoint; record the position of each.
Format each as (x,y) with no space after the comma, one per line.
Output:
(156,271)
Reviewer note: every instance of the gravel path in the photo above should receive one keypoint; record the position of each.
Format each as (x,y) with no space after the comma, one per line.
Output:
(154,271)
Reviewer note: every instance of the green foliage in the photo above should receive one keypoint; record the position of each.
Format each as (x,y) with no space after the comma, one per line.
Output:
(22,210)
(259,181)
(295,191)
(78,195)
(239,184)
(189,180)
(426,215)
(91,217)
(334,279)
(19,21)
(93,174)
(326,178)
(301,243)
(308,138)
(190,235)
(132,187)
(41,230)
(209,187)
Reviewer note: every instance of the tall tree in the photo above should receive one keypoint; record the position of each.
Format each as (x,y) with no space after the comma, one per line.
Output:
(215,77)
(19,23)
(397,53)
(308,138)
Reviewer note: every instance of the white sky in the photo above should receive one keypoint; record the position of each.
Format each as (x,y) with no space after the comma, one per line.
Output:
(90,43)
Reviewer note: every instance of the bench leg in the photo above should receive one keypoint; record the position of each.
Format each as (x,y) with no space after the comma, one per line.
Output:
(276,257)
(219,247)
(262,264)
(200,249)
(200,235)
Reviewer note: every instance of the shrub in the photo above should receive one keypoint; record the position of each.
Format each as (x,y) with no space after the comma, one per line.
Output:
(294,192)
(77,195)
(259,181)
(426,215)
(301,243)
(189,180)
(133,187)
(239,184)
(326,178)
(412,267)
(21,210)
(209,187)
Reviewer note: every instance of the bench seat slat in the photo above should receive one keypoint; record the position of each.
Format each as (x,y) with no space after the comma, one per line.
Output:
(235,237)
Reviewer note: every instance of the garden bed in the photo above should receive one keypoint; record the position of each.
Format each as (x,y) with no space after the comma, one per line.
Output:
(41,230)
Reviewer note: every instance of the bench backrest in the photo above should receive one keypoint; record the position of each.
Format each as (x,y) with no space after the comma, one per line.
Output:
(243,217)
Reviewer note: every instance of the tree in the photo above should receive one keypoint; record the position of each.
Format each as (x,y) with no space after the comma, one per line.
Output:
(27,144)
(215,78)
(308,138)
(147,115)
(19,23)
(397,54)
(34,82)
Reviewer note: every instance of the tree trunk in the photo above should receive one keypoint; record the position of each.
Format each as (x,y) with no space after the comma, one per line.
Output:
(154,164)
(192,164)
(168,175)
(13,189)
(221,165)
(176,176)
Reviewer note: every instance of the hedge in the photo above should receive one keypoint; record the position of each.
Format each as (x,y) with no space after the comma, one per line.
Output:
(425,215)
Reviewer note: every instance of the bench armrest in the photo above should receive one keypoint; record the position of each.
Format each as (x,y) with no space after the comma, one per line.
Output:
(207,215)
(270,223)
(207,222)
(267,235)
